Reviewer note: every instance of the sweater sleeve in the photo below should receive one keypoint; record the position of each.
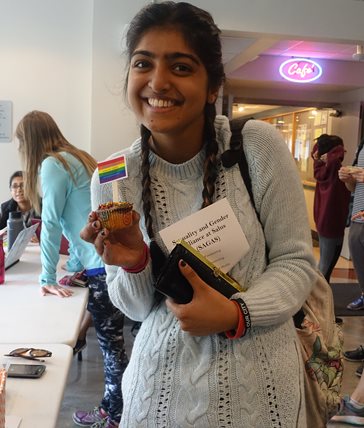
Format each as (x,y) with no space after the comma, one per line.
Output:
(326,170)
(55,181)
(279,292)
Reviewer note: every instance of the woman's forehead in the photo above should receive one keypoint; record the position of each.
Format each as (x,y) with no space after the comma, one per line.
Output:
(17,179)
(165,39)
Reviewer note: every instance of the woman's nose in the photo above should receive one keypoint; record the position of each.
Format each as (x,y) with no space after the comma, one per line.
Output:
(159,80)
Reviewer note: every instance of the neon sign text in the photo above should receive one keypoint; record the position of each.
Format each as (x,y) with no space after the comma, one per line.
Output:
(300,70)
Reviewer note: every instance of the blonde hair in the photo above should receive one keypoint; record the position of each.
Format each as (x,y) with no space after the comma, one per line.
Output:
(40,137)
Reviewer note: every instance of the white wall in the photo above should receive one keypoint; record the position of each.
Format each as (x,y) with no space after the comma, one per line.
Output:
(347,127)
(113,124)
(45,64)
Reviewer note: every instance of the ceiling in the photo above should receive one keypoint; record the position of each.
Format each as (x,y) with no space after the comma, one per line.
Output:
(307,49)
(242,51)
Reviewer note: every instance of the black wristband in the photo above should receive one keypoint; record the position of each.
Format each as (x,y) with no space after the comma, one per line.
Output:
(244,310)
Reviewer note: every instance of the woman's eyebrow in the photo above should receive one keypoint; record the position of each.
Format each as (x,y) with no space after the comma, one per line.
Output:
(169,56)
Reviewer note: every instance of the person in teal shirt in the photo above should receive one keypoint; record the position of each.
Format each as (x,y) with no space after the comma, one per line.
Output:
(63,173)
(66,203)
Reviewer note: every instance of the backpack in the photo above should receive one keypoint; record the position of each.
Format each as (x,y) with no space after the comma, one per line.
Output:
(321,339)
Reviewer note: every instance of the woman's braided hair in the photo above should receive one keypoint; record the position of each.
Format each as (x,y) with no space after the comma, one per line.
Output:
(203,36)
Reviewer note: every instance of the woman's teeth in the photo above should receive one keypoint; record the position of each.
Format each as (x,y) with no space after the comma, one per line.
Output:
(154,102)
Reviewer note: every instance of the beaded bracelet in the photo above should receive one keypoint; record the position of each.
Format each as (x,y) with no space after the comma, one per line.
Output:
(244,320)
(141,266)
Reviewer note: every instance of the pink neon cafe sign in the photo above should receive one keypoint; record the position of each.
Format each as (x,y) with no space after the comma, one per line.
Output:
(300,70)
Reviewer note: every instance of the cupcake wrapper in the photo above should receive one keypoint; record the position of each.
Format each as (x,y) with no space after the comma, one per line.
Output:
(115,218)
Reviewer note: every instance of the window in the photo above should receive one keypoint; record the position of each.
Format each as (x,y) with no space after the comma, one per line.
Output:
(299,130)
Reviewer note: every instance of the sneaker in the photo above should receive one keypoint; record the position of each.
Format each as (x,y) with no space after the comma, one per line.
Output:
(80,345)
(357,304)
(359,371)
(356,355)
(105,423)
(88,419)
(349,414)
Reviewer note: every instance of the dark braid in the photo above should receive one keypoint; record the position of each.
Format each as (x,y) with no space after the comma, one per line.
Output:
(210,165)
(146,193)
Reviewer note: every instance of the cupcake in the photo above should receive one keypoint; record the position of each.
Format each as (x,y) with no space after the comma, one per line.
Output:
(115,215)
(353,169)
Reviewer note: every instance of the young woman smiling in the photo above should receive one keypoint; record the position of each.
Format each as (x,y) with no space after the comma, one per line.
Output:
(214,362)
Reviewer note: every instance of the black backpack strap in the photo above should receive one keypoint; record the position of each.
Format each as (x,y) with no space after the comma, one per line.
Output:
(236,155)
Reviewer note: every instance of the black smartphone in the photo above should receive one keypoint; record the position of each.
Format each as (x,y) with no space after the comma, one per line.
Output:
(79,281)
(26,370)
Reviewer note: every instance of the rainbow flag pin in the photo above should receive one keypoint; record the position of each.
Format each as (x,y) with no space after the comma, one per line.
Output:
(112,170)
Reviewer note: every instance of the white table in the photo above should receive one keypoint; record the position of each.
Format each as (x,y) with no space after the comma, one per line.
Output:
(28,317)
(37,401)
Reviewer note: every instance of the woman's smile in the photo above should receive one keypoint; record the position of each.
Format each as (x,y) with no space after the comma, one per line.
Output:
(160,103)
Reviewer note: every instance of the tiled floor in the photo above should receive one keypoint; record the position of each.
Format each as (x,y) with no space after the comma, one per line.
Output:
(84,388)
(85,382)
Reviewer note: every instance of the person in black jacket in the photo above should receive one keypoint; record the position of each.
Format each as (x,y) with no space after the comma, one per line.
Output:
(18,201)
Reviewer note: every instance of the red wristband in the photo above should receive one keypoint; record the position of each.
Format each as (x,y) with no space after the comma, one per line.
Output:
(141,266)
(240,330)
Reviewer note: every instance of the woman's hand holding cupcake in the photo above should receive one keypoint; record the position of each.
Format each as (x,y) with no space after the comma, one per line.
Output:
(120,247)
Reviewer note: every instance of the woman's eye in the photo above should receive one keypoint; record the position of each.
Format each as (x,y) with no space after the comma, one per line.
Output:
(141,64)
(182,68)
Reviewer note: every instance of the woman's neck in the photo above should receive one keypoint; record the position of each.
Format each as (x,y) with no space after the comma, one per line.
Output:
(24,206)
(176,148)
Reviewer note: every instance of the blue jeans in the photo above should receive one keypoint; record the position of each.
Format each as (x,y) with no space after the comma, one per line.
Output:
(330,249)
(109,323)
(356,246)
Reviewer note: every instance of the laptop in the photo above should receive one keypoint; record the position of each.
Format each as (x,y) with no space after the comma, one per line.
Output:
(17,250)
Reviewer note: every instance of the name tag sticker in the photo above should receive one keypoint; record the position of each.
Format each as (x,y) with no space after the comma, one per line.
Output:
(214,231)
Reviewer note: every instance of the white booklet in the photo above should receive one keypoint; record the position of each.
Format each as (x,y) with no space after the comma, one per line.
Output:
(214,231)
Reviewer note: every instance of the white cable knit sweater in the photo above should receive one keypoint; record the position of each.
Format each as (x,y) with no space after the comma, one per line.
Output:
(175,380)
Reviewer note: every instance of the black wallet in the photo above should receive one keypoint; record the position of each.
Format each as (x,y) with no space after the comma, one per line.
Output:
(172,283)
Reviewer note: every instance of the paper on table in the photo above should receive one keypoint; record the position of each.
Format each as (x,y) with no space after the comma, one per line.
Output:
(214,231)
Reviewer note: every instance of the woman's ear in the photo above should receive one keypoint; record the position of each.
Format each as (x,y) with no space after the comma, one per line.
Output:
(212,97)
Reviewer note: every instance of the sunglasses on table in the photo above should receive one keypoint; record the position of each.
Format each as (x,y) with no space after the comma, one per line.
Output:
(30,353)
